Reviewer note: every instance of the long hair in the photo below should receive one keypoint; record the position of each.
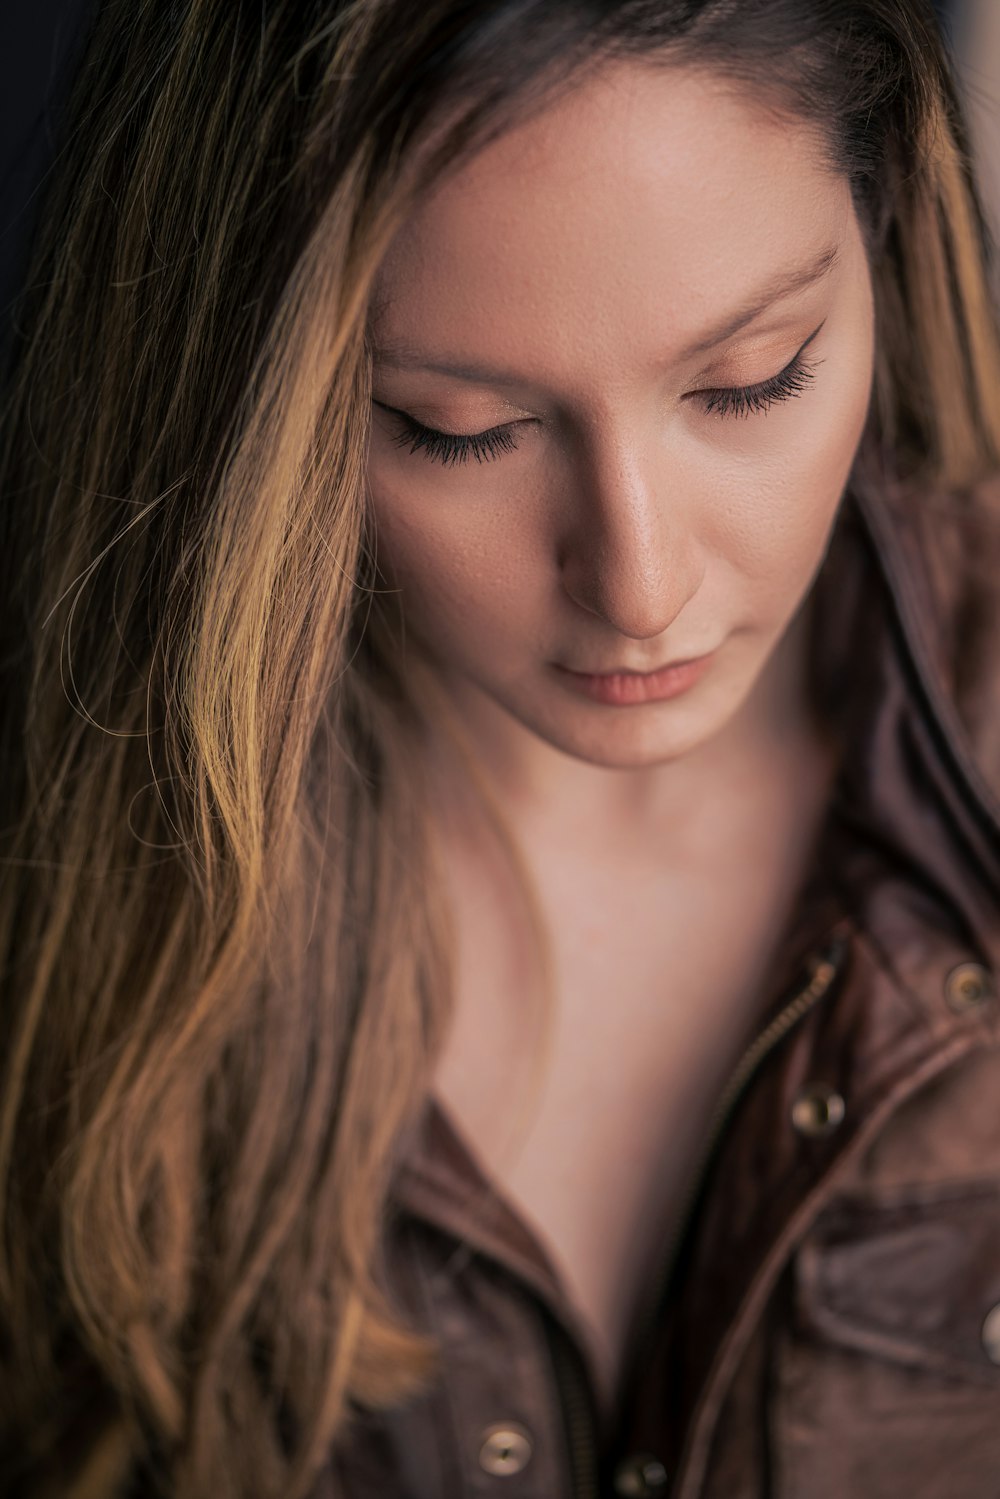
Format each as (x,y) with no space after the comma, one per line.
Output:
(224,947)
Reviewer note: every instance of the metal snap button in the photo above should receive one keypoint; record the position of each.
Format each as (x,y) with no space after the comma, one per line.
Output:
(966,986)
(640,1474)
(817,1110)
(990,1335)
(505,1449)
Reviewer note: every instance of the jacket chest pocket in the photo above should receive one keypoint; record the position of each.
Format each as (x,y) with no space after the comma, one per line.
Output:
(886,1362)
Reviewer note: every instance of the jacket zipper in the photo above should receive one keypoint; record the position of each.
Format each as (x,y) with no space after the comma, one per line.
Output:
(579,1419)
(823,970)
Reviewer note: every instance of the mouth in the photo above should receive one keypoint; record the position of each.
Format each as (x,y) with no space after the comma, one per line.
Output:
(635,671)
(626,687)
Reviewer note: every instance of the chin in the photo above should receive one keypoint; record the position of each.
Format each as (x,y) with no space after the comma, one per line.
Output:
(632,746)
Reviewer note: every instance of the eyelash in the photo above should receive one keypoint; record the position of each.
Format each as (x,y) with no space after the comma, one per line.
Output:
(738,400)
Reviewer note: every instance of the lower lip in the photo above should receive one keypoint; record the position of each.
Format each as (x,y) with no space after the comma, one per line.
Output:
(625,689)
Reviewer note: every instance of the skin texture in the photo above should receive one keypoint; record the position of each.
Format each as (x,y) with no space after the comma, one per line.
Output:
(581,255)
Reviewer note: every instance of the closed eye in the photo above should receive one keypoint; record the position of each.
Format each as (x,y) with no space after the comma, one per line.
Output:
(484,447)
(451,447)
(745,400)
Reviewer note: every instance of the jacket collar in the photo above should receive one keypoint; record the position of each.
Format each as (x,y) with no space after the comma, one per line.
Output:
(908,624)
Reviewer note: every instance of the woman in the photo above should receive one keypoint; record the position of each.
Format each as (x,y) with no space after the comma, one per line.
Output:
(500,902)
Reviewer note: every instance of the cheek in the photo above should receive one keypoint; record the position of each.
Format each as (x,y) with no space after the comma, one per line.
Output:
(461,574)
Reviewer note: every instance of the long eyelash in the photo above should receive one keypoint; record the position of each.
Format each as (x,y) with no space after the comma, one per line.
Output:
(738,400)
(447,447)
(744,400)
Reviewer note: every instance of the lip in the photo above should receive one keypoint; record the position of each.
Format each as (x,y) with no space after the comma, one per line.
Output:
(627,688)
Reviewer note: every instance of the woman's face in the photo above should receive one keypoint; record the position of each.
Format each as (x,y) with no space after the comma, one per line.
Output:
(645,320)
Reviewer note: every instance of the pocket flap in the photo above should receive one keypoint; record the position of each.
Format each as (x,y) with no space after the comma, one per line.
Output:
(913,1280)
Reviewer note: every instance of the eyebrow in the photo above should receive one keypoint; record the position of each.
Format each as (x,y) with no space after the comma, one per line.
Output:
(399,354)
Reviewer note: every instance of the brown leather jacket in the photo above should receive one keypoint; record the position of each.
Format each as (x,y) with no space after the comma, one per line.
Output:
(826,1324)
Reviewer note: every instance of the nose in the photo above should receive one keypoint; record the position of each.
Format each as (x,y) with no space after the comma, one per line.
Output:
(628,552)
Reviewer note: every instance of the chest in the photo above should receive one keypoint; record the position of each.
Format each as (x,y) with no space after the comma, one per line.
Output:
(597,1161)
(593,1132)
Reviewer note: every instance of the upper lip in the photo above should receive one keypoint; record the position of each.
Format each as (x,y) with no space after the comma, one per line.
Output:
(637,671)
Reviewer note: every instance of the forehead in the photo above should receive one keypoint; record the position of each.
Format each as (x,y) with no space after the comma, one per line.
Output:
(639,203)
